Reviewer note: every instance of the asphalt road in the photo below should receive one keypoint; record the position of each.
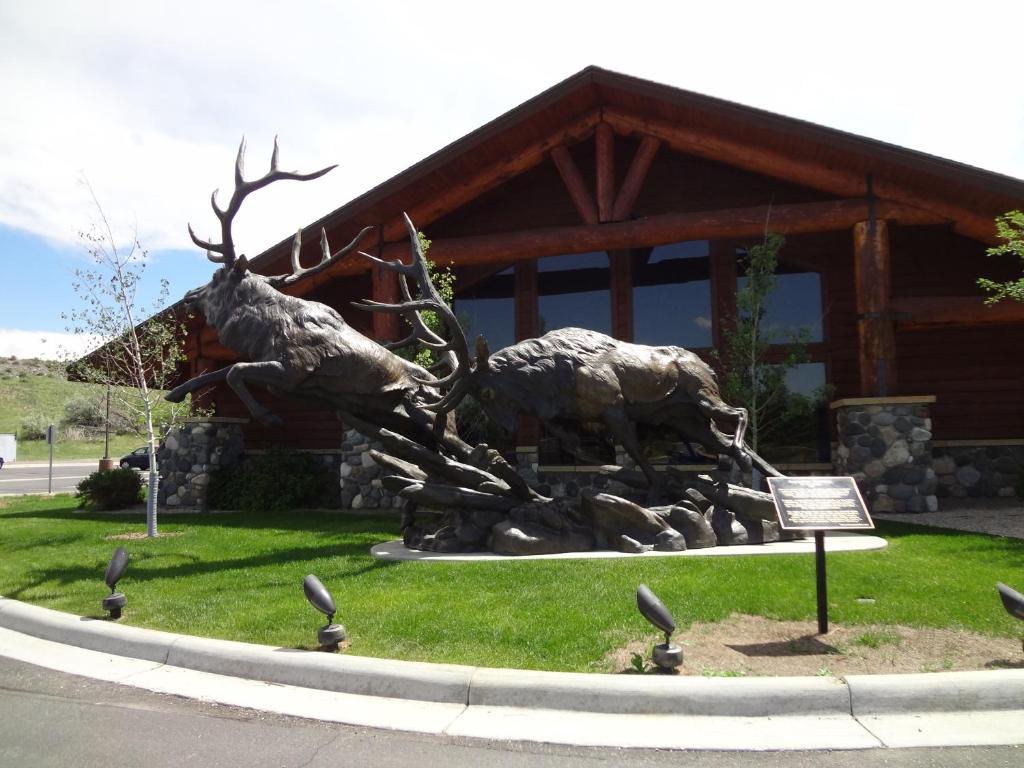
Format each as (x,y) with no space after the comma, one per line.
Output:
(31,477)
(55,719)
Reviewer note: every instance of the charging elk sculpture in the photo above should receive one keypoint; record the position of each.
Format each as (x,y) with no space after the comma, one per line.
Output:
(473,498)
(305,348)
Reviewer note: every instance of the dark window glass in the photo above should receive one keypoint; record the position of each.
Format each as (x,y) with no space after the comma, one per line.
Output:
(806,380)
(796,425)
(672,295)
(574,291)
(793,309)
(487,307)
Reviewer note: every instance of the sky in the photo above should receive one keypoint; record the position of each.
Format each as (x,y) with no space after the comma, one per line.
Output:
(139,107)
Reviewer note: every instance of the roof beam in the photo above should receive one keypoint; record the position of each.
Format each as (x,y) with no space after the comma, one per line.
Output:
(635,178)
(932,312)
(573,180)
(838,181)
(604,147)
(425,212)
(796,218)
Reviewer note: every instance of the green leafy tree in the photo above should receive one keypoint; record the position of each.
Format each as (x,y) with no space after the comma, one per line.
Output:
(1010,229)
(747,378)
(136,358)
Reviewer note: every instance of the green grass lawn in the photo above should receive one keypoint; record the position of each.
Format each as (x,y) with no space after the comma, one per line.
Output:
(240,577)
(41,399)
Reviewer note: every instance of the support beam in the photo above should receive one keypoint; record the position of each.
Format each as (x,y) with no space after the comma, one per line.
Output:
(928,312)
(604,141)
(658,230)
(384,288)
(873,280)
(432,206)
(723,290)
(838,181)
(573,180)
(526,300)
(635,177)
(507,247)
(621,269)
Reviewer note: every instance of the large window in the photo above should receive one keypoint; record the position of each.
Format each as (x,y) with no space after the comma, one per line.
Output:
(793,310)
(574,291)
(672,295)
(486,305)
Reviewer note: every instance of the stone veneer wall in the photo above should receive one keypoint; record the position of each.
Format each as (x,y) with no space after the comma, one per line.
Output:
(361,486)
(190,452)
(979,470)
(885,444)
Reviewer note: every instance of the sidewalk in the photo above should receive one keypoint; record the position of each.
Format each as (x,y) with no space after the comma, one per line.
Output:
(996,517)
(652,711)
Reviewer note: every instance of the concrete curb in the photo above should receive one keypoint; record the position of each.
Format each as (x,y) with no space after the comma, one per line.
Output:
(649,695)
(856,696)
(937,692)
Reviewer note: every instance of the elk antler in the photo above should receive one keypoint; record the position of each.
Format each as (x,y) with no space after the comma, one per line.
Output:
(326,258)
(456,350)
(226,247)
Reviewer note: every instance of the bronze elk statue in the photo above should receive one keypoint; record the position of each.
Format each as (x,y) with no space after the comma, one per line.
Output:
(573,377)
(305,349)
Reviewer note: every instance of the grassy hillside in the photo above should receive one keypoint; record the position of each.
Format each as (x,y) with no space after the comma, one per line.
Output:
(34,393)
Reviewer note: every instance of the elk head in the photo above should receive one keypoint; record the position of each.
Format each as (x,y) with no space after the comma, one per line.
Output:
(217,296)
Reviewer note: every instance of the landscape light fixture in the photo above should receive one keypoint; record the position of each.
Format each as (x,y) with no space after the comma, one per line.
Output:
(330,634)
(1013,602)
(665,655)
(115,601)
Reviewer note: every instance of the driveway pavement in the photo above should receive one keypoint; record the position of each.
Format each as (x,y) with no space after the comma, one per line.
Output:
(18,477)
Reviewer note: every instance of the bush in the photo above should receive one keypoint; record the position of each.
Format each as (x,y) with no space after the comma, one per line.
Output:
(277,480)
(114,489)
(33,428)
(86,414)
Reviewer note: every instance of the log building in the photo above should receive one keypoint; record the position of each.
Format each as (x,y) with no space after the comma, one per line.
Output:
(625,206)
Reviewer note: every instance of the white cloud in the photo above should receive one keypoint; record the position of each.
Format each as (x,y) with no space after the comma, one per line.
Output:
(148,100)
(45,345)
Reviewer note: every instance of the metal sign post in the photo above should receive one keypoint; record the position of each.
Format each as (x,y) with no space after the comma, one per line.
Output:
(50,439)
(819,504)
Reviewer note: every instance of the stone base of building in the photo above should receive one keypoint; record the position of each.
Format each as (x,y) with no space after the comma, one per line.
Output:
(190,453)
(885,444)
(979,470)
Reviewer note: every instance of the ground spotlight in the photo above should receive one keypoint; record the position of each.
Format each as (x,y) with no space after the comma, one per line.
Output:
(666,655)
(330,634)
(115,601)
(1013,602)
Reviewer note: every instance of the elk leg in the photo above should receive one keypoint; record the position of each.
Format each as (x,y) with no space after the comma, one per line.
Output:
(624,430)
(270,373)
(739,449)
(177,394)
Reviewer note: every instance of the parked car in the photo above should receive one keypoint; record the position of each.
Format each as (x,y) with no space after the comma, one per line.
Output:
(139,459)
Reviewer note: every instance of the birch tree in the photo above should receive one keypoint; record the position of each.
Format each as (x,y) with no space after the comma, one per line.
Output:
(140,347)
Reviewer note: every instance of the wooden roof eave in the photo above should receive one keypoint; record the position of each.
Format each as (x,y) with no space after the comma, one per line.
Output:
(833,161)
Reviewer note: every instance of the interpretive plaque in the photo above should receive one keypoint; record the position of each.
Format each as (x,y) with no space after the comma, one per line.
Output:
(819,503)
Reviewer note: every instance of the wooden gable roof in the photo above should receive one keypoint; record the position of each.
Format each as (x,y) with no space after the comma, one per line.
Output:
(796,151)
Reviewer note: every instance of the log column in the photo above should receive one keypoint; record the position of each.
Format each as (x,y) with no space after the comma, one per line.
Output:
(621,273)
(528,431)
(723,290)
(386,326)
(874,289)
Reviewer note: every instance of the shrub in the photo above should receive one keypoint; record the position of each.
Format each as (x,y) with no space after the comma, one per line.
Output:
(114,489)
(87,414)
(277,480)
(33,428)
